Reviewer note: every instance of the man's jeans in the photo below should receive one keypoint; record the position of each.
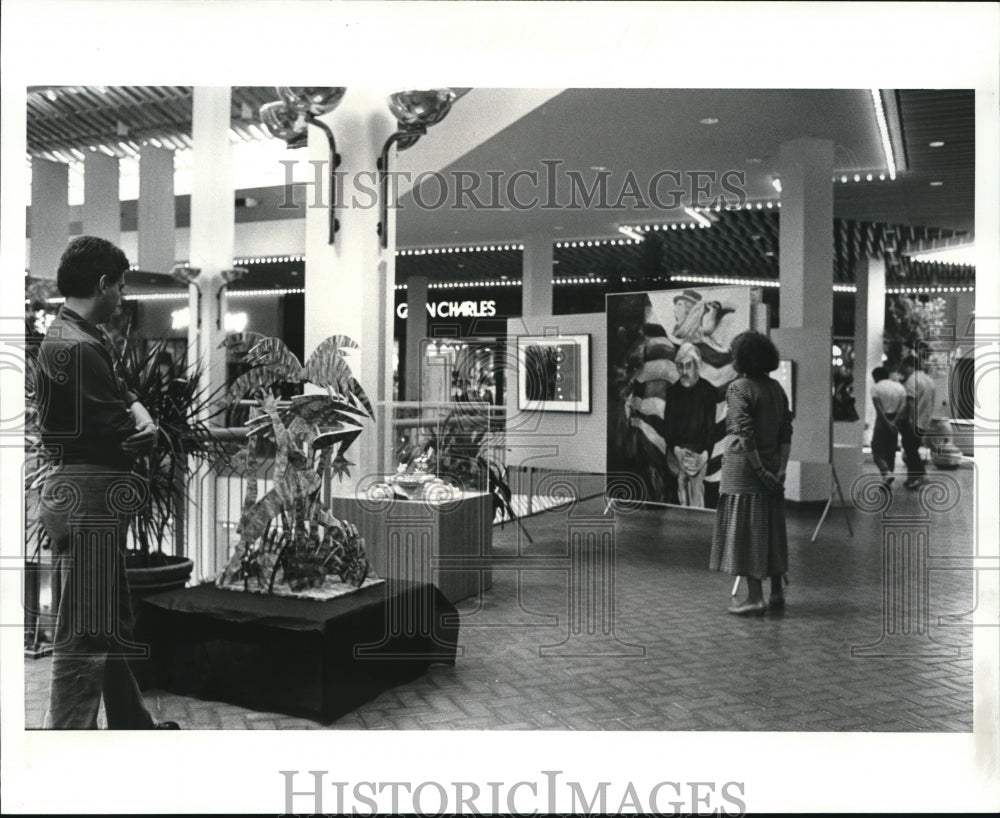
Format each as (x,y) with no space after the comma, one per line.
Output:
(85,511)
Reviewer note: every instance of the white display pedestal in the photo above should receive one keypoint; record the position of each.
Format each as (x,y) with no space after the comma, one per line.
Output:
(447,544)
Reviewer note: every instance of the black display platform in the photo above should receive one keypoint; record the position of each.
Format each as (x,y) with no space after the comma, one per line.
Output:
(295,656)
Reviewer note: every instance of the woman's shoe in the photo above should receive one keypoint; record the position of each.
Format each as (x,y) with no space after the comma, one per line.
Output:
(748,608)
(776,602)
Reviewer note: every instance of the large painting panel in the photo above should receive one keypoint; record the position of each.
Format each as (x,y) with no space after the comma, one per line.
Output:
(670,366)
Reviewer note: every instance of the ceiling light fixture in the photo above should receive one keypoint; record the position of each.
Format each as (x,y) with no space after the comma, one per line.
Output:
(937,143)
(632,234)
(776,183)
(936,183)
(289,118)
(883,129)
(228,277)
(709,120)
(694,214)
(415,111)
(186,274)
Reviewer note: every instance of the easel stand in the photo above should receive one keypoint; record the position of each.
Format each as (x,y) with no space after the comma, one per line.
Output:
(834,484)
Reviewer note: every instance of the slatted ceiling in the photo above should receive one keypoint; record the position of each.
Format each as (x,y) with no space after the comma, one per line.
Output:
(85,116)
(737,244)
(729,248)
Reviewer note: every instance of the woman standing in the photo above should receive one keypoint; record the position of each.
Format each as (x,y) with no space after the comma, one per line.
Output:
(750,538)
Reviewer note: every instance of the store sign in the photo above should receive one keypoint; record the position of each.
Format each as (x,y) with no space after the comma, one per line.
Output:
(455,309)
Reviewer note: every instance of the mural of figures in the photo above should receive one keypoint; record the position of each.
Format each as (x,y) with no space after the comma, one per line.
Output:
(668,354)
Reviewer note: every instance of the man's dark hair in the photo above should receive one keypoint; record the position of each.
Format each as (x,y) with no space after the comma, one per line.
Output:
(880,373)
(754,354)
(84,261)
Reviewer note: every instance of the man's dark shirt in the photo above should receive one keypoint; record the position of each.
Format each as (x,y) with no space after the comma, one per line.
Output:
(689,417)
(83,405)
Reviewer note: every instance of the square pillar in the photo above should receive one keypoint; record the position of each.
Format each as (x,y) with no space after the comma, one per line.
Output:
(101,208)
(536,275)
(350,283)
(156,219)
(869,328)
(806,309)
(49,225)
(416,333)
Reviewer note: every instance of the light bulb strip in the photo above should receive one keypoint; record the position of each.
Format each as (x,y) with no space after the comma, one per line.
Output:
(574,280)
(478,248)
(918,290)
(883,129)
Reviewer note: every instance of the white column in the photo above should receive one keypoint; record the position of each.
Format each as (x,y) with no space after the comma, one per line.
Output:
(536,274)
(49,225)
(156,216)
(349,286)
(869,327)
(416,332)
(101,207)
(212,236)
(806,307)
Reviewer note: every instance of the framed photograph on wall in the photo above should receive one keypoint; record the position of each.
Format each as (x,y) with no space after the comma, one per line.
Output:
(553,373)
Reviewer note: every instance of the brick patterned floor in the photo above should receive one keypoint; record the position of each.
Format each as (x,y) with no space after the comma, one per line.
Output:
(676,660)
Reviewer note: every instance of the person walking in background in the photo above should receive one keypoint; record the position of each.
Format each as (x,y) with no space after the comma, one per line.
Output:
(915,420)
(889,398)
(750,539)
(689,421)
(94,430)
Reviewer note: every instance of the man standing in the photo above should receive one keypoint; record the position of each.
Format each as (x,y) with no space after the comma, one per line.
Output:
(915,421)
(889,399)
(689,423)
(94,429)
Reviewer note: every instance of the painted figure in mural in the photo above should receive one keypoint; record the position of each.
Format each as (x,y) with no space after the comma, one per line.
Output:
(94,429)
(689,308)
(689,422)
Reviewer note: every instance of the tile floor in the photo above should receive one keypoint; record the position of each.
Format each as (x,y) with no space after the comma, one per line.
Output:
(670,657)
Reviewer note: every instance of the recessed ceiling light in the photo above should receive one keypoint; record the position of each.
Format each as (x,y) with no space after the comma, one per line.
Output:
(709,120)
(754,160)
(598,168)
(936,184)
(937,143)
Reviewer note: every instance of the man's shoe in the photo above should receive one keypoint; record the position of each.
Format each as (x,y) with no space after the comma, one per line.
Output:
(166,725)
(914,482)
(890,480)
(748,608)
(776,602)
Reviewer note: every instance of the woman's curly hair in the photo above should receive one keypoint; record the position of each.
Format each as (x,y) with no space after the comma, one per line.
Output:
(754,354)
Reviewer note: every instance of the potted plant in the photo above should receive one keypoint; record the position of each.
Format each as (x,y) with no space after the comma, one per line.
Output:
(290,542)
(182,409)
(461,450)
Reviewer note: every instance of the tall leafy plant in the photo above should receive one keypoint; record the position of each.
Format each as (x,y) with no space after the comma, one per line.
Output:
(462,448)
(289,534)
(183,410)
(910,322)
